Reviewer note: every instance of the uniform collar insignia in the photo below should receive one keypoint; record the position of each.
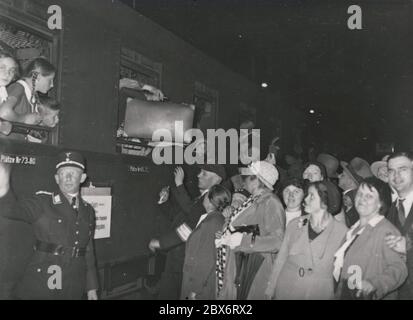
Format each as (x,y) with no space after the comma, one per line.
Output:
(57,199)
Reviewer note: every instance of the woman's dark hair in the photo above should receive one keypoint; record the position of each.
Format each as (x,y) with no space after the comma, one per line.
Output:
(383,191)
(38,65)
(321,166)
(323,192)
(220,197)
(33,69)
(298,183)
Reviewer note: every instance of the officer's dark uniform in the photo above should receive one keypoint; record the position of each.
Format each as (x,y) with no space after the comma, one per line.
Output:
(185,220)
(174,242)
(64,242)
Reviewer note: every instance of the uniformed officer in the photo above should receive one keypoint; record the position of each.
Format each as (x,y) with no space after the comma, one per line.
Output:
(185,220)
(63,263)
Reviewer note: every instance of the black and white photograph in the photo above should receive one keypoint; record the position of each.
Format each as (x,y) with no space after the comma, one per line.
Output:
(227,152)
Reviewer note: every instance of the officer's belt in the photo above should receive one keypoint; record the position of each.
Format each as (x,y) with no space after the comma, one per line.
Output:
(59,250)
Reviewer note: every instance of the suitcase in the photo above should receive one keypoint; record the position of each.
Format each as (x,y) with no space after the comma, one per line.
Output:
(143,118)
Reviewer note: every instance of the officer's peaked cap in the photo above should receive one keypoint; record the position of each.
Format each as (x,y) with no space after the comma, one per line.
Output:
(70,159)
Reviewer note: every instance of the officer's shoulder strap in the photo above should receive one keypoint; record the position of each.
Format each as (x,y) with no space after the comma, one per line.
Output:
(44,193)
(55,198)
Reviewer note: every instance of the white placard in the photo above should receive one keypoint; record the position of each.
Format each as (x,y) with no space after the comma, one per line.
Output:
(102,203)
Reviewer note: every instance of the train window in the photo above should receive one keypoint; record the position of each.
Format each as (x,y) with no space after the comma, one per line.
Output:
(206,103)
(136,71)
(25,36)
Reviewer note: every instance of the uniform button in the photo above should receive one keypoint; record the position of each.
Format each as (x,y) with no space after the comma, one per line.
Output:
(77,232)
(39,270)
(76,242)
(59,221)
(77,223)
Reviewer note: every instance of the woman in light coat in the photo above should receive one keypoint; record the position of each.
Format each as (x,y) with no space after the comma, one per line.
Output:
(304,266)
(264,209)
(365,266)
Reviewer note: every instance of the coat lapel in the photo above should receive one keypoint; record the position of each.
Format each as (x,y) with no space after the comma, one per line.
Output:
(319,244)
(301,246)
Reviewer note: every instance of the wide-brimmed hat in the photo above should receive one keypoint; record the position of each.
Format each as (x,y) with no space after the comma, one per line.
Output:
(358,169)
(264,171)
(375,167)
(70,159)
(330,162)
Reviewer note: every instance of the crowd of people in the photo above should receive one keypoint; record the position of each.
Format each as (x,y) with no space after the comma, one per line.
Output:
(336,230)
(323,230)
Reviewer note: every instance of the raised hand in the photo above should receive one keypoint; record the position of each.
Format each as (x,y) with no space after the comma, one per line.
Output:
(179,176)
(154,245)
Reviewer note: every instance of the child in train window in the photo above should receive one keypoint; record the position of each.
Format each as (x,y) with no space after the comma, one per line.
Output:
(22,101)
(8,72)
(48,110)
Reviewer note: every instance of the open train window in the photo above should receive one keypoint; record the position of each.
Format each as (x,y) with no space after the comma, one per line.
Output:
(136,71)
(24,34)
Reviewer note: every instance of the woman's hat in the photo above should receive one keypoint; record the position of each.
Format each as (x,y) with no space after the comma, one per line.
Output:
(264,171)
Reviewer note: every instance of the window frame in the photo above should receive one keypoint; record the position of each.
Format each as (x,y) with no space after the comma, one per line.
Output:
(38,27)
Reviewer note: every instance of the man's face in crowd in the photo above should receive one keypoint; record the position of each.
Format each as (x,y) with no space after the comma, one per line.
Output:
(69,179)
(345,182)
(400,172)
(207,179)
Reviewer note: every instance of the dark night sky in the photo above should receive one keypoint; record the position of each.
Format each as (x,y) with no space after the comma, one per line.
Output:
(359,82)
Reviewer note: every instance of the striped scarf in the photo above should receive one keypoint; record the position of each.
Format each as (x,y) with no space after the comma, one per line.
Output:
(222,250)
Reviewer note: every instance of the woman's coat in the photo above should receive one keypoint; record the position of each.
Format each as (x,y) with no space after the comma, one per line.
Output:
(304,269)
(269,214)
(200,259)
(384,268)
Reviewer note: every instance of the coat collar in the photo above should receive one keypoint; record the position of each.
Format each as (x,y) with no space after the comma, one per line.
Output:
(63,204)
(317,247)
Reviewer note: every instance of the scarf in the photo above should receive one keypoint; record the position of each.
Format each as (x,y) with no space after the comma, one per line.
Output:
(222,250)
(350,238)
